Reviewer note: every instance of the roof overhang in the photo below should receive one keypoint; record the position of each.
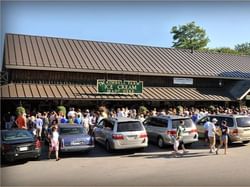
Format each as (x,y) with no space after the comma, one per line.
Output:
(26,91)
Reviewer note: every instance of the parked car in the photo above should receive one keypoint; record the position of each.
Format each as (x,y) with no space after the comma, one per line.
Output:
(121,133)
(239,126)
(74,138)
(19,144)
(161,129)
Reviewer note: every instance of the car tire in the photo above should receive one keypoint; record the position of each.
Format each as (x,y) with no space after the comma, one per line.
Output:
(188,145)
(160,142)
(37,158)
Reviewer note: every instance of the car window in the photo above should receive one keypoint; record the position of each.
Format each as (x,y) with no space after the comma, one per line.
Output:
(158,122)
(229,120)
(187,123)
(100,124)
(152,122)
(16,135)
(203,120)
(71,130)
(147,121)
(107,124)
(243,122)
(129,126)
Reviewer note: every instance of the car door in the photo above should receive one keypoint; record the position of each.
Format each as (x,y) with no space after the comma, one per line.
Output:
(107,131)
(148,127)
(200,125)
(98,131)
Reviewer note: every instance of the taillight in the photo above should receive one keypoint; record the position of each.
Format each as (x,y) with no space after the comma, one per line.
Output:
(234,132)
(143,135)
(170,132)
(193,131)
(6,147)
(117,137)
(38,144)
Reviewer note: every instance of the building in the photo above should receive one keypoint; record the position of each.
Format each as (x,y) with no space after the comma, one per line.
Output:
(43,72)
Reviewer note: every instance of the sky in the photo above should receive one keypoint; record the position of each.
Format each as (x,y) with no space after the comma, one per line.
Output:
(141,22)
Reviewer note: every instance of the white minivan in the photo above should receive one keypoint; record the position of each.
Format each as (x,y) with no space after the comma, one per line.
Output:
(162,129)
(121,133)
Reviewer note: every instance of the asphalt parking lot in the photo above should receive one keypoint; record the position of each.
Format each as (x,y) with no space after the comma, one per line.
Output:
(151,167)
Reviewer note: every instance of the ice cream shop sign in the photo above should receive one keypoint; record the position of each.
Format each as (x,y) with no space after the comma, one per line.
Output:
(119,87)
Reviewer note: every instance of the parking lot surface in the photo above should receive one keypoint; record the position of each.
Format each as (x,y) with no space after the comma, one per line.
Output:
(151,167)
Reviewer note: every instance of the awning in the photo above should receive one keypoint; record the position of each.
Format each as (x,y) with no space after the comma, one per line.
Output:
(27,91)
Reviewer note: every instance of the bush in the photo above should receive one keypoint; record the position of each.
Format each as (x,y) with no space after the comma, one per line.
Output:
(61,109)
(179,109)
(211,108)
(20,110)
(142,110)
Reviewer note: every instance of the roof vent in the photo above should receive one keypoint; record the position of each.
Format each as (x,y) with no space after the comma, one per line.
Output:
(192,49)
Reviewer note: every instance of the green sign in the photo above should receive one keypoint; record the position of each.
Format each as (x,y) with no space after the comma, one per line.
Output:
(119,87)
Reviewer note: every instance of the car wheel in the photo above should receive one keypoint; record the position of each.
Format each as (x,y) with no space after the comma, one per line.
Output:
(37,157)
(160,142)
(188,145)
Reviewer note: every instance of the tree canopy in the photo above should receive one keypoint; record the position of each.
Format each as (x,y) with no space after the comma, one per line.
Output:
(243,48)
(189,36)
(239,49)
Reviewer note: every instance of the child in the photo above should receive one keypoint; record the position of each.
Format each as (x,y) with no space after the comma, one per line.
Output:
(54,142)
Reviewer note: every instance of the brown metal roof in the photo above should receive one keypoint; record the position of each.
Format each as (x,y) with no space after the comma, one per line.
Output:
(75,92)
(47,53)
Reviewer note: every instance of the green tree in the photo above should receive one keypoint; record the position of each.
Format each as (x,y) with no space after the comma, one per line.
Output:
(189,36)
(243,48)
(224,50)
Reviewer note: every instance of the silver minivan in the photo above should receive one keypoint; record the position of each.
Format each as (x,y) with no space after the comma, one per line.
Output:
(239,126)
(161,129)
(121,133)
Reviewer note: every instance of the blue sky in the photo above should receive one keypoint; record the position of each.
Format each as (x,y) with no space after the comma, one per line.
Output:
(144,23)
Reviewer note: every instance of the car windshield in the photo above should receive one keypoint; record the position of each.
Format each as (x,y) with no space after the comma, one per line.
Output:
(71,130)
(187,123)
(129,126)
(243,122)
(16,135)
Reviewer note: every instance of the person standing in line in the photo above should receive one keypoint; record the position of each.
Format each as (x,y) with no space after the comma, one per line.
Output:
(211,134)
(178,140)
(54,143)
(86,122)
(206,125)
(21,121)
(224,137)
(39,126)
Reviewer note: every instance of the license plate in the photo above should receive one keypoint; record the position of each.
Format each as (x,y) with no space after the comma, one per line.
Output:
(132,136)
(76,143)
(23,149)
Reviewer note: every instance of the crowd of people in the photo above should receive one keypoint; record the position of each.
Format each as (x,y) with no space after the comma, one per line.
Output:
(36,122)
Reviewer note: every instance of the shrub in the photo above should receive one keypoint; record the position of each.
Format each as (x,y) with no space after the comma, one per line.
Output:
(211,108)
(20,110)
(61,109)
(179,109)
(142,110)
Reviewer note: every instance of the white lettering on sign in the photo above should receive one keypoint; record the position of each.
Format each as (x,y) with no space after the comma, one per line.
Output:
(183,81)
